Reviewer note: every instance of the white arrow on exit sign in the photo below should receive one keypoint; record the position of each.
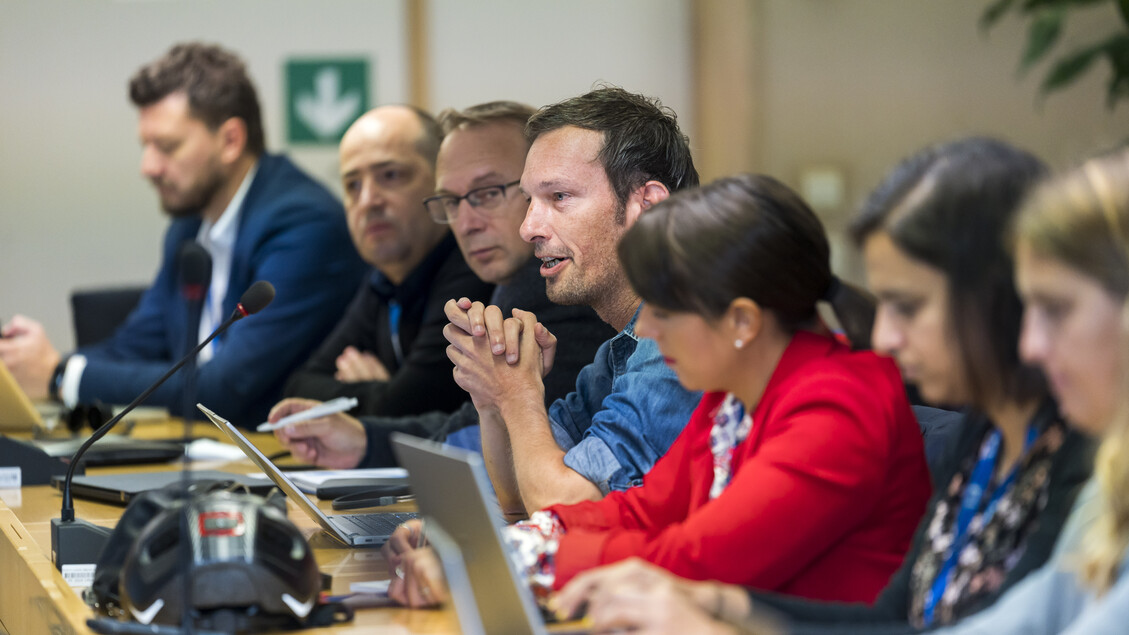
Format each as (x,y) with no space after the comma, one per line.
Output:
(325,111)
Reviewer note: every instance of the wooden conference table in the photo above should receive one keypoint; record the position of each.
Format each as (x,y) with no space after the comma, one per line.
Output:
(35,600)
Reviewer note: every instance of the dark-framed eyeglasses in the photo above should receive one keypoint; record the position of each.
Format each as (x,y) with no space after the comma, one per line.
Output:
(444,208)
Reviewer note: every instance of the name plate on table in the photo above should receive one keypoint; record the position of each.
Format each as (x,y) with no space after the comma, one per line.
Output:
(11,478)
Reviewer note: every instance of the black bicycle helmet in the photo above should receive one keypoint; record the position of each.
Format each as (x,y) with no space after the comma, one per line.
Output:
(250,567)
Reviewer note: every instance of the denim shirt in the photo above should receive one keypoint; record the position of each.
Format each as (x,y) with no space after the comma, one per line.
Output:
(627,409)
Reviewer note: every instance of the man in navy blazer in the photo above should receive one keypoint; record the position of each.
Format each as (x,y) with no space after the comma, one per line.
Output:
(258,216)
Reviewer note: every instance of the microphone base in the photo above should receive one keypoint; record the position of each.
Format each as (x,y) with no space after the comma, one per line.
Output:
(77,542)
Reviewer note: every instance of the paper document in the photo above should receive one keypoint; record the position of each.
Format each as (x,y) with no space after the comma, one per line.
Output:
(308,481)
(370,586)
(212,450)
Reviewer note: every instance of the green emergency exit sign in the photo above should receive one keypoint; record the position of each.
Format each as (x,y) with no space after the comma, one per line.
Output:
(324,96)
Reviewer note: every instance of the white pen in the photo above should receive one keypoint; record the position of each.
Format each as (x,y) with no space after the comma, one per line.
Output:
(341,404)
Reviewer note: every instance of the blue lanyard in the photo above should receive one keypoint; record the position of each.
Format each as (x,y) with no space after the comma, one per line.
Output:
(974,491)
(394,328)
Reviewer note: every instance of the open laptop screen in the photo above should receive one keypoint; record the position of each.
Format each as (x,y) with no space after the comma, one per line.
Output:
(451,486)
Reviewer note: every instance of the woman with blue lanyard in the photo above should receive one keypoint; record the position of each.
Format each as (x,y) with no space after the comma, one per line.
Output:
(932,235)
(1072,261)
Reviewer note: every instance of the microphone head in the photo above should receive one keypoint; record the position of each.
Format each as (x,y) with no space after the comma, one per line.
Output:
(195,265)
(257,297)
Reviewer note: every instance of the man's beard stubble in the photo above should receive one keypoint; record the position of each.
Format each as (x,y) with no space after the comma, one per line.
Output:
(196,198)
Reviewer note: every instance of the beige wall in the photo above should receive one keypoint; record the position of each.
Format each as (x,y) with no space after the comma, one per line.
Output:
(74,211)
(855,84)
(542,51)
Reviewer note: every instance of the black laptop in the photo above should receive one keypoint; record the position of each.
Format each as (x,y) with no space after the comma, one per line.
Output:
(122,488)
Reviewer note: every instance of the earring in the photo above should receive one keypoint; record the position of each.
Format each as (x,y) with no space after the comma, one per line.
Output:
(738,343)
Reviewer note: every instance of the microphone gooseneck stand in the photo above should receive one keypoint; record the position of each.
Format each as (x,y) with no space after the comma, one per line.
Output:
(78,541)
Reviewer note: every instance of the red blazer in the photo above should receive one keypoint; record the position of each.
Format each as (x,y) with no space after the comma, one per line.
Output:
(825,493)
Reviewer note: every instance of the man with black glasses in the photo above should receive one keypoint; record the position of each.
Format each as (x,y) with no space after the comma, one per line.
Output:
(388,350)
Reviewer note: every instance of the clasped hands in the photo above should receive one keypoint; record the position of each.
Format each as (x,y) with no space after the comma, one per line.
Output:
(494,356)
(354,366)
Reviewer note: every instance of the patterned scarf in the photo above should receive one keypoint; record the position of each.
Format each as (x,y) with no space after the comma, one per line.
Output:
(730,427)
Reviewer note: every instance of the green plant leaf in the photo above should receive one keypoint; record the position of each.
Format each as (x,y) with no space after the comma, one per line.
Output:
(1123,10)
(994,12)
(1034,5)
(1117,90)
(1117,53)
(1045,29)
(1070,67)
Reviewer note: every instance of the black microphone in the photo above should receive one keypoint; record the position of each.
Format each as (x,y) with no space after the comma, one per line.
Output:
(84,540)
(195,266)
(253,300)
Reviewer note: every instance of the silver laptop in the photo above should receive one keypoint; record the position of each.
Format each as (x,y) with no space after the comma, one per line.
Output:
(458,580)
(452,488)
(352,529)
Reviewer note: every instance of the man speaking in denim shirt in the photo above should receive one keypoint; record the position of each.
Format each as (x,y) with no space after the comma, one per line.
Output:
(597,162)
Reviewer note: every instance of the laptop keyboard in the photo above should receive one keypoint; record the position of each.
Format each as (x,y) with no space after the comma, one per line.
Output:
(380,524)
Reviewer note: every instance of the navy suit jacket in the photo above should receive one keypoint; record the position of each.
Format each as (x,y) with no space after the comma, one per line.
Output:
(293,234)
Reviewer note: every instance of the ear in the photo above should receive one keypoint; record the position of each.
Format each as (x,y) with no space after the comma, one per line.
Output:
(643,198)
(233,139)
(745,319)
